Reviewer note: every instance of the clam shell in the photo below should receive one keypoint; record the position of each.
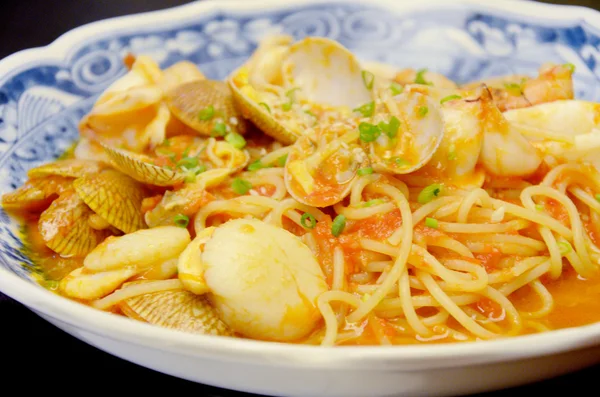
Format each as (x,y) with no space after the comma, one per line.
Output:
(140,168)
(65,228)
(186,101)
(36,194)
(72,168)
(115,197)
(179,310)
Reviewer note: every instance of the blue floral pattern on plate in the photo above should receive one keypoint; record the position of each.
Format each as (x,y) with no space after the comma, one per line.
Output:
(41,103)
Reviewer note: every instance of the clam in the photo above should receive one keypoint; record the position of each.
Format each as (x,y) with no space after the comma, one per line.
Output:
(141,168)
(404,137)
(321,174)
(71,168)
(206,106)
(269,294)
(36,194)
(65,227)
(180,310)
(114,197)
(187,200)
(315,74)
(179,73)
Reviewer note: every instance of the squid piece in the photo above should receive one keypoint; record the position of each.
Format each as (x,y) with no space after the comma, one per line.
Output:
(262,280)
(141,249)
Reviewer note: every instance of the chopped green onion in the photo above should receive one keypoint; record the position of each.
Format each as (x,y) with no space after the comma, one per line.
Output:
(452,152)
(310,113)
(564,247)
(281,161)
(368,132)
(292,98)
(514,88)
(396,89)
(256,165)
(539,207)
(235,140)
(400,162)
(181,220)
(429,193)
(420,78)
(190,177)
(220,129)
(373,202)
(571,67)
(423,110)
(432,223)
(364,171)
(366,110)
(450,98)
(368,79)
(264,105)
(287,106)
(597,197)
(199,169)
(51,284)
(312,222)
(207,113)
(390,129)
(186,151)
(166,142)
(188,162)
(338,225)
(241,186)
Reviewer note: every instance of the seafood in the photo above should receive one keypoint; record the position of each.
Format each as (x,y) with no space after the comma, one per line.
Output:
(273,295)
(114,197)
(70,168)
(36,194)
(84,284)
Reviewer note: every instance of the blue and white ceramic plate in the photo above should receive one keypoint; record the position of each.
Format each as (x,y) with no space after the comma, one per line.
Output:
(44,92)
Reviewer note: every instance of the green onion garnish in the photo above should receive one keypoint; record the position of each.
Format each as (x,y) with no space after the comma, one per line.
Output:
(420,78)
(390,129)
(256,165)
(514,88)
(368,79)
(373,202)
(423,110)
(264,105)
(281,161)
(364,171)
(310,113)
(207,113)
(188,162)
(564,247)
(235,140)
(450,98)
(452,152)
(400,162)
(429,193)
(597,197)
(539,207)
(220,129)
(368,132)
(571,67)
(396,89)
(338,225)
(51,284)
(181,220)
(166,142)
(241,186)
(432,223)
(366,110)
(190,177)
(287,106)
(312,222)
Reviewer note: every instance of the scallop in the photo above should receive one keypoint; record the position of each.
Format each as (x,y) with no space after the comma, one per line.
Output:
(180,310)
(71,168)
(263,280)
(141,168)
(321,174)
(418,136)
(114,197)
(142,249)
(36,194)
(188,101)
(84,284)
(65,226)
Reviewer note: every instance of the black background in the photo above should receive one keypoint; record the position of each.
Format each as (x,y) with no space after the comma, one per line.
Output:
(36,356)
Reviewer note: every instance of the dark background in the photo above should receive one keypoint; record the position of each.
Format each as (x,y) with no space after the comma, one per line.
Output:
(38,356)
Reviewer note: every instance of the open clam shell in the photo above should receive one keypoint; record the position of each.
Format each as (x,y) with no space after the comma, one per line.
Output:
(114,197)
(188,101)
(36,194)
(420,131)
(179,309)
(321,174)
(72,168)
(65,226)
(140,168)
